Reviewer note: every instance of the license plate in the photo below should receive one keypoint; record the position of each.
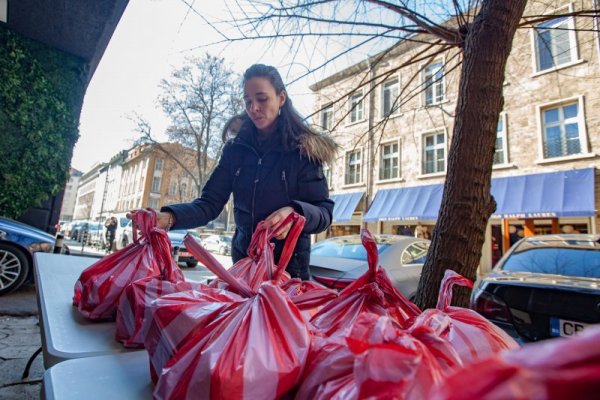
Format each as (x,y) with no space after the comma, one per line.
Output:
(184,254)
(564,327)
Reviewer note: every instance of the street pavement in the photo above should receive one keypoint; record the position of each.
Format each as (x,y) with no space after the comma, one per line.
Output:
(20,335)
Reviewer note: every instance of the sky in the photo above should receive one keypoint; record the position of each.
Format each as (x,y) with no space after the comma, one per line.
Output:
(152,38)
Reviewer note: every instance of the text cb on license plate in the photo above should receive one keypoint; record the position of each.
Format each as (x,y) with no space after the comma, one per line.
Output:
(564,327)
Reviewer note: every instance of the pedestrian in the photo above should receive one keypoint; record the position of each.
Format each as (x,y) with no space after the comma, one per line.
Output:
(273,166)
(111,230)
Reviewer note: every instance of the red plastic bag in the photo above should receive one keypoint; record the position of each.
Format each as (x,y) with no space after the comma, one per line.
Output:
(373,292)
(555,369)
(471,335)
(175,317)
(256,267)
(134,307)
(374,359)
(256,349)
(308,296)
(99,287)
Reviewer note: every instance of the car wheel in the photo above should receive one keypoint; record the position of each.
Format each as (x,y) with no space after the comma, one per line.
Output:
(191,264)
(14,267)
(222,250)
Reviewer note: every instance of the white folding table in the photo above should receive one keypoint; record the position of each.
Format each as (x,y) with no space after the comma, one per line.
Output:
(65,333)
(116,377)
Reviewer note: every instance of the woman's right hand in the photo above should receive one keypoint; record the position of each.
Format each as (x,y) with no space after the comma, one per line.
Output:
(164,220)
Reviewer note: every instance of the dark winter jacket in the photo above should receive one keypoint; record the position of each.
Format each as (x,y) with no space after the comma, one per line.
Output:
(262,181)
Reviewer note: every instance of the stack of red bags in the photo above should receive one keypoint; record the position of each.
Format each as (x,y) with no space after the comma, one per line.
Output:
(99,288)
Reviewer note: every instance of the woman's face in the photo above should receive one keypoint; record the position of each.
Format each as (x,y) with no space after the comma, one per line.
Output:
(262,103)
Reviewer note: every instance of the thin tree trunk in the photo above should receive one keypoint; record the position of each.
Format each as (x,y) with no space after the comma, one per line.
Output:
(467,203)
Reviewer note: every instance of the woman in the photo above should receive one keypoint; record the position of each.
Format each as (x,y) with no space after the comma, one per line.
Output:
(273,166)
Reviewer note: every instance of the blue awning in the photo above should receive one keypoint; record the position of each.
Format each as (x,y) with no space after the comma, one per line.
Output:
(411,203)
(345,204)
(555,194)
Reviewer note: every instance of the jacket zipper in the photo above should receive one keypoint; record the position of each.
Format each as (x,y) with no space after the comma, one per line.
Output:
(254,189)
(287,192)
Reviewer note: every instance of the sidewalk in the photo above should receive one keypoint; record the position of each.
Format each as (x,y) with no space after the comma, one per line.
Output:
(89,251)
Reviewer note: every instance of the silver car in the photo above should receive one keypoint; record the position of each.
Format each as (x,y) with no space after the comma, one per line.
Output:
(338,261)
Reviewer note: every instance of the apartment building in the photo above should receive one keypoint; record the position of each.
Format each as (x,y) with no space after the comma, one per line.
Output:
(151,177)
(70,195)
(394,121)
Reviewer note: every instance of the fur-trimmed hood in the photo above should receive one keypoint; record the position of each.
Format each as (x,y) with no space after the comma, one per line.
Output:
(318,147)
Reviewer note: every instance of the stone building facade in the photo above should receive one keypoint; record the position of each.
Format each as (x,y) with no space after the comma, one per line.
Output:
(393,116)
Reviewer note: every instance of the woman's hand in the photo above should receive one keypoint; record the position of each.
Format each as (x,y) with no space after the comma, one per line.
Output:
(275,219)
(164,220)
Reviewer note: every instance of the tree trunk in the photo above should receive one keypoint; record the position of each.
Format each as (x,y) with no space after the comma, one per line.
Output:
(467,203)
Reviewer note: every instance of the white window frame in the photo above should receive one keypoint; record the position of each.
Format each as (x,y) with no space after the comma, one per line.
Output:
(436,146)
(173,186)
(154,184)
(154,202)
(381,159)
(583,141)
(347,166)
(394,83)
(503,134)
(357,113)
(327,173)
(574,46)
(327,116)
(441,83)
(158,165)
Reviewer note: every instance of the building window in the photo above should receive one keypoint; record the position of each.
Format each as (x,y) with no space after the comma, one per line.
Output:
(389,161)
(433,82)
(500,156)
(153,203)
(356,107)
(172,187)
(327,174)
(159,165)
(561,131)
(353,173)
(327,118)
(555,43)
(156,184)
(389,98)
(183,189)
(434,153)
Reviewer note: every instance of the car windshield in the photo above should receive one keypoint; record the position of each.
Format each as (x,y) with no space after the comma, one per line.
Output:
(580,262)
(355,251)
(226,239)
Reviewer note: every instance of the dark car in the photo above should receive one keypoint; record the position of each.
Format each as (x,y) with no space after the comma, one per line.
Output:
(545,286)
(18,242)
(217,243)
(338,261)
(176,237)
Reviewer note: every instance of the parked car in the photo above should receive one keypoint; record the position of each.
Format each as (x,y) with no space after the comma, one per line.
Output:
(543,287)
(18,243)
(176,236)
(218,243)
(338,261)
(76,229)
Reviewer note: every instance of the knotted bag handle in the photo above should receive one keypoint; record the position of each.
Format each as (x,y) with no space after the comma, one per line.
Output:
(215,266)
(144,220)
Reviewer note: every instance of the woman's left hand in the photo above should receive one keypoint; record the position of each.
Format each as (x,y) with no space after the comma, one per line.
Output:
(275,219)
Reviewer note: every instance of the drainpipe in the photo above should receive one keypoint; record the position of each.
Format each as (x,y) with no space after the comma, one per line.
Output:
(369,195)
